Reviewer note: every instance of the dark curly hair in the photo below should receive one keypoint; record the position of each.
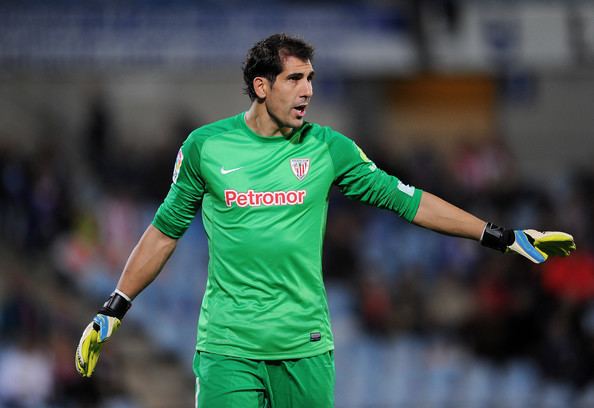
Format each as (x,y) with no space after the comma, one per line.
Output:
(265,58)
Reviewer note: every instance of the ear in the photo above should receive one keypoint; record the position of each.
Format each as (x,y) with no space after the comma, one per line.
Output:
(261,87)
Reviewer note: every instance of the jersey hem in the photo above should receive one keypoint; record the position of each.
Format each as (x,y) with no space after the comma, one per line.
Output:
(265,356)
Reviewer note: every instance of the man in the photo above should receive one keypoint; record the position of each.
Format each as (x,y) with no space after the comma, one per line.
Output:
(262,180)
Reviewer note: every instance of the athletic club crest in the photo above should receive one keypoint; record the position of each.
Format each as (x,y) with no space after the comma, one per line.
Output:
(300,167)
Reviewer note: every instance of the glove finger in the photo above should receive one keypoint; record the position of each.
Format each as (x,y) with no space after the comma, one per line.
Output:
(82,352)
(551,249)
(89,351)
(560,248)
(86,344)
(94,351)
(555,236)
(79,361)
(556,251)
(560,244)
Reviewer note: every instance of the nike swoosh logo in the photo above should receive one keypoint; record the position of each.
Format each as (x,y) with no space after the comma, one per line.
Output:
(223,171)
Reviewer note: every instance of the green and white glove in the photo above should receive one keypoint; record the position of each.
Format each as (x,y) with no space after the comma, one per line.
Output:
(104,324)
(534,245)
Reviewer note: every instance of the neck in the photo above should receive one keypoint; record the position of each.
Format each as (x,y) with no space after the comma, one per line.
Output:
(259,120)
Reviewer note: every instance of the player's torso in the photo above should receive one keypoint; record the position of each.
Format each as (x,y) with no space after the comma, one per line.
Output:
(264,183)
(264,211)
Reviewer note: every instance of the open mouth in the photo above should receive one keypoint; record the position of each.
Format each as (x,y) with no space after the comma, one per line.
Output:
(300,110)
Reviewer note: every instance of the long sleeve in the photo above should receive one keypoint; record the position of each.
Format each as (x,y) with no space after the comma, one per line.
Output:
(359,178)
(179,208)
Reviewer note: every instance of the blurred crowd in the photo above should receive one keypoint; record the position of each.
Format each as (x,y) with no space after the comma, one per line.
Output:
(71,223)
(39,317)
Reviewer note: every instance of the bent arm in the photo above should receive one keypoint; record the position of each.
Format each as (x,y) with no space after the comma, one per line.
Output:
(146,261)
(441,216)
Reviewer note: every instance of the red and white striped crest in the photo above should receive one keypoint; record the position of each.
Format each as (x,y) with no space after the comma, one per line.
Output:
(300,167)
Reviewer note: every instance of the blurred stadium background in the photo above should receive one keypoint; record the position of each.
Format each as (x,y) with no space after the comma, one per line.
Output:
(487,103)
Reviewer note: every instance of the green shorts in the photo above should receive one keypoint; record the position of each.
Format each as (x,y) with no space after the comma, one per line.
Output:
(230,382)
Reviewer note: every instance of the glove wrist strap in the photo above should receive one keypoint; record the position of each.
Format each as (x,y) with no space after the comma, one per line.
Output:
(497,237)
(116,306)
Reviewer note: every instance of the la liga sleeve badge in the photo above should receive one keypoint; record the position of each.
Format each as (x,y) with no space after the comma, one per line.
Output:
(177,167)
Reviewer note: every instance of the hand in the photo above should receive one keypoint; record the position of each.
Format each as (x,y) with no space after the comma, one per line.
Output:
(103,326)
(534,245)
(96,333)
(538,246)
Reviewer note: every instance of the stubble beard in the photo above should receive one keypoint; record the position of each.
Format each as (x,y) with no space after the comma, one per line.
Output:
(285,125)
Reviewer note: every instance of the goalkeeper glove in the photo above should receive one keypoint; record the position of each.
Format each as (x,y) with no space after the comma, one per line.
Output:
(534,245)
(104,324)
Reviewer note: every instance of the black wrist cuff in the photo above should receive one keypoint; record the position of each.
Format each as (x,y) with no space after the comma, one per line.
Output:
(497,237)
(116,306)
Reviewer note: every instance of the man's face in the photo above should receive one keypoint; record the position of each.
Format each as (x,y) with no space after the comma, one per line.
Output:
(287,99)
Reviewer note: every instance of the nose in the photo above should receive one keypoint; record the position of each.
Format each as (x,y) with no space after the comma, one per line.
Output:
(307,89)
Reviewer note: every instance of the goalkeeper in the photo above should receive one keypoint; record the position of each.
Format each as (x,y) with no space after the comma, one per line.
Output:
(261,180)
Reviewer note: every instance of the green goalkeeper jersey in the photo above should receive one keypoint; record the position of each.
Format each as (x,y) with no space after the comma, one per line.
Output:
(264,202)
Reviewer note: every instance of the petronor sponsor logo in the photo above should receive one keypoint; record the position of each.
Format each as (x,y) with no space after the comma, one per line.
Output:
(253,198)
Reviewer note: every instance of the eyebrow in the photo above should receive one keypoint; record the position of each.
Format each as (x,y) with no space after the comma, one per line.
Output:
(299,75)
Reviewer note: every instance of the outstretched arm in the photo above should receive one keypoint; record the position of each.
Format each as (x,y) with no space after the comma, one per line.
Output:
(359,178)
(441,216)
